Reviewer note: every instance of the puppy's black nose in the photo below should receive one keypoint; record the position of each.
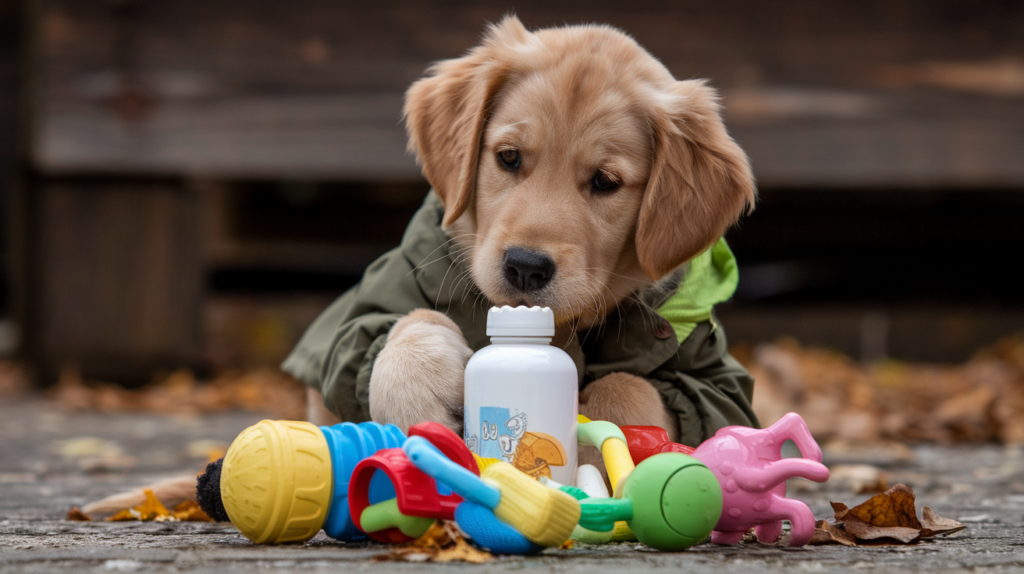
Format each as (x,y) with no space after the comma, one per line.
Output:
(527,270)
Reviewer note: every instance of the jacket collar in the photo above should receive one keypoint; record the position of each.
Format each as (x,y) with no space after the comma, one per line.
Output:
(442,279)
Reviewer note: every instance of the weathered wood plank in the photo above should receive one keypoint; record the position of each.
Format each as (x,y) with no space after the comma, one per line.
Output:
(116,278)
(909,92)
(8,94)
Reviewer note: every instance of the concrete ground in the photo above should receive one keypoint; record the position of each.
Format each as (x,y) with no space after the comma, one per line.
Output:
(42,475)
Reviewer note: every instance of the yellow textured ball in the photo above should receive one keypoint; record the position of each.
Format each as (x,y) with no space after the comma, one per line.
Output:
(276,482)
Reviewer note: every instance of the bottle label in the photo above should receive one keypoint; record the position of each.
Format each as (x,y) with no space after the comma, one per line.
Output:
(505,436)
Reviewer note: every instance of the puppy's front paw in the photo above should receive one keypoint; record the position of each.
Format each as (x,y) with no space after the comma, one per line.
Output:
(626,399)
(419,374)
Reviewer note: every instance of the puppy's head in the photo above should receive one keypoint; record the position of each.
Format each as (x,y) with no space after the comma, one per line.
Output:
(574,169)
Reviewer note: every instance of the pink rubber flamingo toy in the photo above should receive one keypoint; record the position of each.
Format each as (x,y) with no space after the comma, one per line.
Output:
(749,466)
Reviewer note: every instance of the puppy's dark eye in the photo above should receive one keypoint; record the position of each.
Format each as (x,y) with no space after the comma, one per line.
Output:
(509,159)
(602,182)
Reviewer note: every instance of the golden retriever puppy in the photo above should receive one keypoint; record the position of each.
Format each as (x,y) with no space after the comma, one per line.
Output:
(570,170)
(576,173)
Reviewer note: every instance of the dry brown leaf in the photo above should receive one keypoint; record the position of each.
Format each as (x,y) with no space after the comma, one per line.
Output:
(980,400)
(77,515)
(461,551)
(863,531)
(893,508)
(891,515)
(437,536)
(264,390)
(441,543)
(826,532)
(151,509)
(936,525)
(189,511)
(15,381)
(125,515)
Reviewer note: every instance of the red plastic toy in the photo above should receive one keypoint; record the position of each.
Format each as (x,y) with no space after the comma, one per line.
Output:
(416,493)
(645,442)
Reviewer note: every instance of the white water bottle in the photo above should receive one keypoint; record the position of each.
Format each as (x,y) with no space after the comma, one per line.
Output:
(522,395)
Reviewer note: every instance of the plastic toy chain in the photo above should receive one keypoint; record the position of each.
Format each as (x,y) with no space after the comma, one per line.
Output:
(406,501)
(647,441)
(394,501)
(671,501)
(282,481)
(543,516)
(749,466)
(612,443)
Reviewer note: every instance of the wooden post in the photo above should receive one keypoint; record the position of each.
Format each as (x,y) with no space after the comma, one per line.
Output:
(115,278)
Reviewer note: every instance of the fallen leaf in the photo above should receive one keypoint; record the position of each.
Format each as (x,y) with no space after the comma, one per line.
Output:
(893,508)
(826,532)
(77,515)
(14,380)
(461,551)
(890,516)
(863,531)
(441,543)
(265,390)
(189,511)
(124,515)
(936,525)
(981,400)
(151,509)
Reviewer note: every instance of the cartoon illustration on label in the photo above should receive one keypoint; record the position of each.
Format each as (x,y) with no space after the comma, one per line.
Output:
(537,452)
(516,426)
(490,445)
(507,447)
(531,452)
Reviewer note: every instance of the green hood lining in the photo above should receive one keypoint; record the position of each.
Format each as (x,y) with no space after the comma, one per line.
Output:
(711,278)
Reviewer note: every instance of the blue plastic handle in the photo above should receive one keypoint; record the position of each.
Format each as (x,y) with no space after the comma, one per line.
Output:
(427,458)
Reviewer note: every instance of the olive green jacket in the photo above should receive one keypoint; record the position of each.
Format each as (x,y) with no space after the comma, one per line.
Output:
(680,349)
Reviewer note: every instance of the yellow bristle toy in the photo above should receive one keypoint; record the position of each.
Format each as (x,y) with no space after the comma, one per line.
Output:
(544,515)
(539,514)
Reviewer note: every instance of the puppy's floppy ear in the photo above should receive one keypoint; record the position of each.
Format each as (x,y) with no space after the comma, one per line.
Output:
(445,113)
(700,180)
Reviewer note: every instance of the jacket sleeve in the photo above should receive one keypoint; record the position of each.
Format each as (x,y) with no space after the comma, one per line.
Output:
(705,386)
(336,355)
(337,352)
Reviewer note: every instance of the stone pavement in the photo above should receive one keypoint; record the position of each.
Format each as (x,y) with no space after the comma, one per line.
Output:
(42,475)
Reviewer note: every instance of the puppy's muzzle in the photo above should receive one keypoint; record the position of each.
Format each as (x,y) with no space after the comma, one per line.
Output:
(527,270)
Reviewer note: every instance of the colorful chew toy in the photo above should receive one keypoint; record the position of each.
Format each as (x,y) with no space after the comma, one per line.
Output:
(543,516)
(749,465)
(671,501)
(394,501)
(645,441)
(282,481)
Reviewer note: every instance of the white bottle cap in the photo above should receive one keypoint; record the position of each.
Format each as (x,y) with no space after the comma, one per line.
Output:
(520,321)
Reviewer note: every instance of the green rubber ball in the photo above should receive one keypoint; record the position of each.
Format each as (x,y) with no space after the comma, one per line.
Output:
(676,501)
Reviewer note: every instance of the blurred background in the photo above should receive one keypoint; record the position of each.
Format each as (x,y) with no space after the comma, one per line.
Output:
(185,184)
